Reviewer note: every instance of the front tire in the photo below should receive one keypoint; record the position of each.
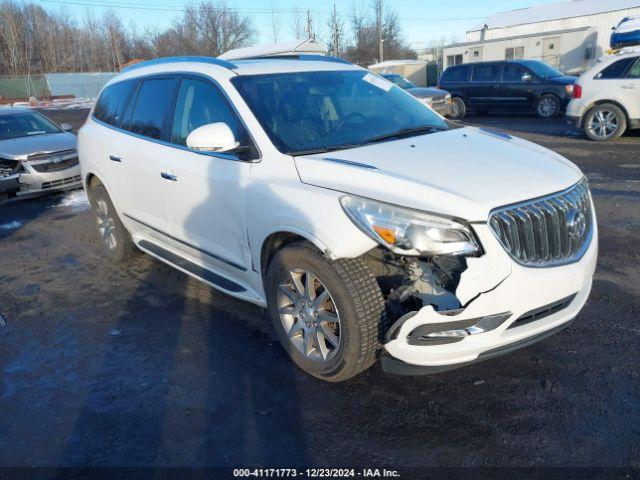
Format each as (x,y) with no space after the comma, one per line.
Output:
(328,315)
(458,108)
(604,122)
(548,106)
(113,236)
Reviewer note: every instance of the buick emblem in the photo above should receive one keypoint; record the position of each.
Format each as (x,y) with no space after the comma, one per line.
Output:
(576,223)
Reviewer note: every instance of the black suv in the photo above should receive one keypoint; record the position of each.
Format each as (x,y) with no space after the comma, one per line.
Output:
(513,85)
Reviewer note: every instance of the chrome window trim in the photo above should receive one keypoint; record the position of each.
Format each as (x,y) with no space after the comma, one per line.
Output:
(180,76)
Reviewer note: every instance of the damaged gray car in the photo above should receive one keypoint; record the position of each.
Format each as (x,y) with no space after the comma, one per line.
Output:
(36,155)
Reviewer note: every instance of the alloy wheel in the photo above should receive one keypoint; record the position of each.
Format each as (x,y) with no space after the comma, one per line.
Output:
(547,107)
(603,124)
(309,316)
(106,225)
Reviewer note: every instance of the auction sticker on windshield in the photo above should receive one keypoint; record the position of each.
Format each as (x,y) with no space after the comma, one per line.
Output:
(378,82)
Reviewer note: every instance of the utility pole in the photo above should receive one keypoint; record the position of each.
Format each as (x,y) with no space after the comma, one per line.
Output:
(310,34)
(381,49)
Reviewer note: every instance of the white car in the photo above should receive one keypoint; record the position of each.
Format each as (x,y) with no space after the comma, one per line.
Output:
(367,224)
(606,98)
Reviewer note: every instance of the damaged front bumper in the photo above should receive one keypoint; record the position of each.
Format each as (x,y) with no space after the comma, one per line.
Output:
(505,306)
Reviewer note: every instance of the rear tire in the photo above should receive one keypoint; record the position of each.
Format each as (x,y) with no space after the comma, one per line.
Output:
(113,236)
(458,108)
(604,122)
(339,338)
(548,106)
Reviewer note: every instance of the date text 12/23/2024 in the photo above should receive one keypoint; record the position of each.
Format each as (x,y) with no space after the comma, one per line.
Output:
(315,473)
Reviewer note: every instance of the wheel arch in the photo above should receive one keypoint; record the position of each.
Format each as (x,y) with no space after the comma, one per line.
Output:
(279,239)
(602,102)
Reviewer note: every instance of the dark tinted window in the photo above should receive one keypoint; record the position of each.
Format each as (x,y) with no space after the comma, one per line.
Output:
(512,72)
(113,101)
(456,74)
(634,72)
(153,106)
(485,73)
(616,69)
(200,103)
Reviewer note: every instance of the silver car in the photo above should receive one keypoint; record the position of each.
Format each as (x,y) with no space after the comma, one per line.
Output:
(36,155)
(439,100)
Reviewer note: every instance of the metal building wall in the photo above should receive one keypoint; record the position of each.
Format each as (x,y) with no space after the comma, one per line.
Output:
(603,22)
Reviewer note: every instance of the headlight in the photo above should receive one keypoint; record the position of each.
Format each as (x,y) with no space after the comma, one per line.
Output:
(409,232)
(426,99)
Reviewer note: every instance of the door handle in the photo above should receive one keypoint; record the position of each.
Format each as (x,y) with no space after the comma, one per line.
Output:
(628,87)
(115,158)
(169,176)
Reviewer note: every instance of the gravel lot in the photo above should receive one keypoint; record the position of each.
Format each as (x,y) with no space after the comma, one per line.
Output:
(142,366)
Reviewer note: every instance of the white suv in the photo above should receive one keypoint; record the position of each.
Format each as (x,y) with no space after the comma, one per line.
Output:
(367,224)
(606,98)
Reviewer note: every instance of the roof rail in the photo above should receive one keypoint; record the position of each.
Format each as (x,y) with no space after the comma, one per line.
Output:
(302,57)
(163,60)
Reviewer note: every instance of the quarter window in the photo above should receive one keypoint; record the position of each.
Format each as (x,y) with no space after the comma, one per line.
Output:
(200,103)
(152,107)
(457,74)
(113,101)
(485,73)
(616,70)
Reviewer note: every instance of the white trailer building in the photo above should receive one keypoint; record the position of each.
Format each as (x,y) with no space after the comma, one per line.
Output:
(570,35)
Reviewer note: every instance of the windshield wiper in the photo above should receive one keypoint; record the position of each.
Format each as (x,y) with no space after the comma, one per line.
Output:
(380,138)
(404,132)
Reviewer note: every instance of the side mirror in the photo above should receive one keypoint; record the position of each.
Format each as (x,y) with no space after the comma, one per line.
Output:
(527,77)
(66,127)
(212,137)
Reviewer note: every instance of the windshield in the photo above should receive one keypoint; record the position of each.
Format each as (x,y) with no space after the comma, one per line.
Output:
(543,70)
(400,81)
(304,112)
(25,124)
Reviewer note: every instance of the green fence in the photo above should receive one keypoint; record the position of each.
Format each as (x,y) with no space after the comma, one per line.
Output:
(23,86)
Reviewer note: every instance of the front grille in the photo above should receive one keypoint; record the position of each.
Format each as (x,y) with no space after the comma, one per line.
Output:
(56,166)
(543,312)
(551,230)
(60,183)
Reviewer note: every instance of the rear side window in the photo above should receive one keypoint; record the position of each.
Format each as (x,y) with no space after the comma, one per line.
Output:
(456,74)
(485,73)
(200,103)
(152,107)
(615,70)
(111,105)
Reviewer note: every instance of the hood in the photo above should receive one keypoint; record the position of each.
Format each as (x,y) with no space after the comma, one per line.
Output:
(563,80)
(422,92)
(20,148)
(464,172)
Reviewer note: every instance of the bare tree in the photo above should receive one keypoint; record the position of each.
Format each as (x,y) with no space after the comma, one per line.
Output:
(297,23)
(335,26)
(275,20)
(34,41)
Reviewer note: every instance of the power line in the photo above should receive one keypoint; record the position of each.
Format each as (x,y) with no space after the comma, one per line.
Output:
(175,8)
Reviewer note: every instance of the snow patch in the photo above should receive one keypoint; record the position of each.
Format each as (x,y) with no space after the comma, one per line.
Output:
(11,225)
(76,200)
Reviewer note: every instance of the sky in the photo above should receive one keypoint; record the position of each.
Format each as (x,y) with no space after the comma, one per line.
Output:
(421,21)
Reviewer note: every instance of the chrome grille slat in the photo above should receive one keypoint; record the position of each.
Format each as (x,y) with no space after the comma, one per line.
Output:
(538,232)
